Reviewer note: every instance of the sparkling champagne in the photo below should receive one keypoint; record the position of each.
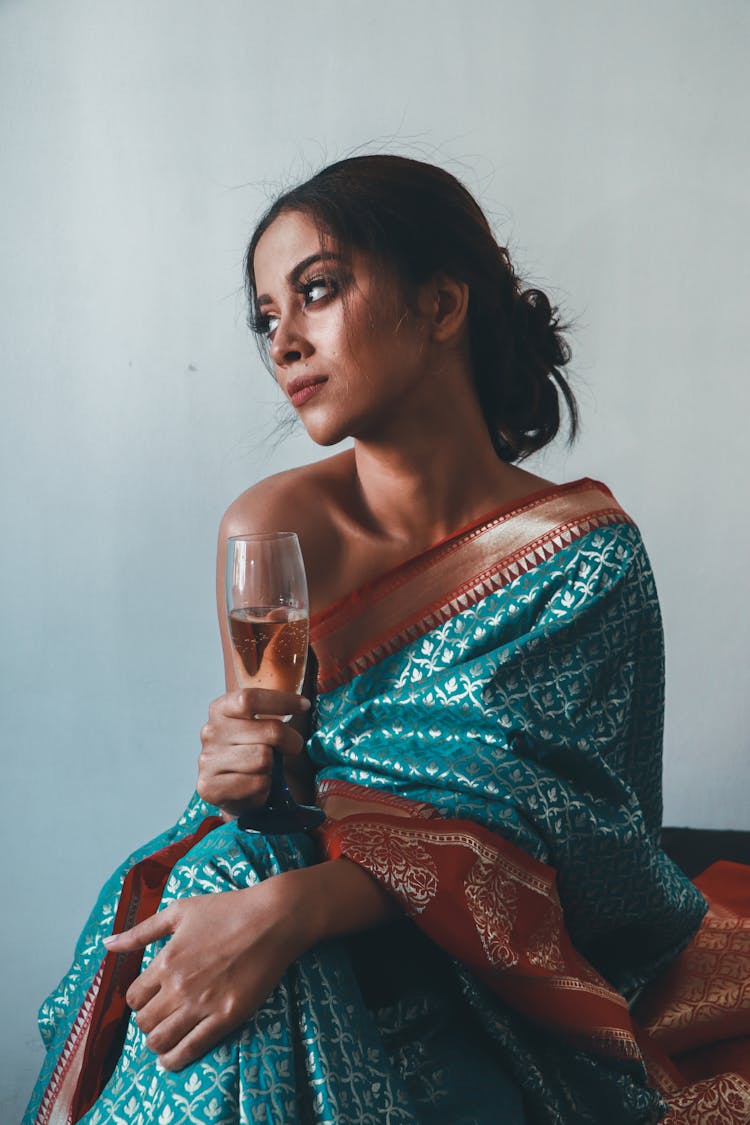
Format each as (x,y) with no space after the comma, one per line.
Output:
(270,645)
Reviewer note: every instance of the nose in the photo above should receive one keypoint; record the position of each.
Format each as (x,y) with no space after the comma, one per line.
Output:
(289,344)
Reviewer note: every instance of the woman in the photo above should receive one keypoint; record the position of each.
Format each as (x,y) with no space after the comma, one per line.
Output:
(462,940)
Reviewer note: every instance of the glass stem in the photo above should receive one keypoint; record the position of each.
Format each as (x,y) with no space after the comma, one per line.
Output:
(279,797)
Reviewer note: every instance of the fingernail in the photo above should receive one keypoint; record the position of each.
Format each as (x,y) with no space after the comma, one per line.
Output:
(110,939)
(305,703)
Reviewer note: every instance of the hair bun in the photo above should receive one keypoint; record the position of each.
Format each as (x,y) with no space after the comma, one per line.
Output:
(539,328)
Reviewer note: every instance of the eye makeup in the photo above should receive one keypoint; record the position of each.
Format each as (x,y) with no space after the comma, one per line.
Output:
(264,324)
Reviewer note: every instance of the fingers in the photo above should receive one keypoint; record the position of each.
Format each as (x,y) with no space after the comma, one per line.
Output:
(157,926)
(232,791)
(143,992)
(194,1044)
(248,702)
(181,1035)
(231,775)
(249,760)
(235,762)
(165,1022)
(174,1030)
(169,1033)
(250,733)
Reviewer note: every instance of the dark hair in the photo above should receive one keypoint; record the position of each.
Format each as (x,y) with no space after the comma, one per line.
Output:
(417,220)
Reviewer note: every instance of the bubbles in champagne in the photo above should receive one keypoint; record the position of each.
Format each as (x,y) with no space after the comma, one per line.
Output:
(270,646)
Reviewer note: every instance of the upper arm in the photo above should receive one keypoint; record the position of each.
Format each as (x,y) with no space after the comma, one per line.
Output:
(226,529)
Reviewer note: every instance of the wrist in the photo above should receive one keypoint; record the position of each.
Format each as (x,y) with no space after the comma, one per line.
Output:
(336,898)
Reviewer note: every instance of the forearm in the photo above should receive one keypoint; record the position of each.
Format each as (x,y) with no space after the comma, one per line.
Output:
(337,898)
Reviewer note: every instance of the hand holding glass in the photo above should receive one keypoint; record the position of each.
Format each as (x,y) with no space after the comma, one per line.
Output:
(268,619)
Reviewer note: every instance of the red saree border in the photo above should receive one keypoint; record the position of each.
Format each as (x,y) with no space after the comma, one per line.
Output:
(82,1069)
(495,908)
(383,800)
(507,510)
(379,618)
(704,995)
(56,1107)
(491,905)
(722,1100)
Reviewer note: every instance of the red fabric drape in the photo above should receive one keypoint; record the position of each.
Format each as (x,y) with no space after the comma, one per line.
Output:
(494,907)
(140,897)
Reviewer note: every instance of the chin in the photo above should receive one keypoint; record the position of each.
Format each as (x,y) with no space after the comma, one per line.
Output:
(328,443)
(325,428)
(326,436)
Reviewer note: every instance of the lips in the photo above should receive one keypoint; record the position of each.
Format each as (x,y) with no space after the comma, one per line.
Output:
(304,387)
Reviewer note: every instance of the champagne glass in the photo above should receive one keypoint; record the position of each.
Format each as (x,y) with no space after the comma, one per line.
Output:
(268,618)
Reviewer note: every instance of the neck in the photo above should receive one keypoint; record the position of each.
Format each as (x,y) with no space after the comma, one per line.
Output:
(430,471)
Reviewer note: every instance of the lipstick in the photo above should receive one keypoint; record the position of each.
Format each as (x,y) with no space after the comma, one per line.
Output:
(302,389)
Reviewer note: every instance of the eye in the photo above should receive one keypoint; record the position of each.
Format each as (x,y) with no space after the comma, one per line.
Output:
(262,325)
(316,288)
(270,324)
(313,290)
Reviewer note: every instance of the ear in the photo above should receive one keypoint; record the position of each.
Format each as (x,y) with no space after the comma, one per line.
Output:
(450,307)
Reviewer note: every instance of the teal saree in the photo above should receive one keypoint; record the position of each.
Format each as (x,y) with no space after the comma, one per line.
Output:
(487,740)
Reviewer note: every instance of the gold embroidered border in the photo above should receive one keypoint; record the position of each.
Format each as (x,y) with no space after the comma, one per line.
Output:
(706,988)
(330,790)
(371,624)
(725,1099)
(537,884)
(55,1107)
(574,984)
(446,837)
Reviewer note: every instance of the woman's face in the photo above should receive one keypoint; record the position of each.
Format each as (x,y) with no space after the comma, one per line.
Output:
(346,351)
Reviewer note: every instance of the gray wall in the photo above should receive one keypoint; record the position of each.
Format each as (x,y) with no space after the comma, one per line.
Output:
(138,142)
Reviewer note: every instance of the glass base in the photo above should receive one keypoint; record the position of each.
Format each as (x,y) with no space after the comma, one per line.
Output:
(282,815)
(282,820)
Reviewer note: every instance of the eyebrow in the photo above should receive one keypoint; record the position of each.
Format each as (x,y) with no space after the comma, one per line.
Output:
(294,274)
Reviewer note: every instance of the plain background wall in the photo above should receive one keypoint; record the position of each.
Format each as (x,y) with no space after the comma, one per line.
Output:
(607,141)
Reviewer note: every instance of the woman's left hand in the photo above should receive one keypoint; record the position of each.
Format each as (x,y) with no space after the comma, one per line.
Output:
(226,953)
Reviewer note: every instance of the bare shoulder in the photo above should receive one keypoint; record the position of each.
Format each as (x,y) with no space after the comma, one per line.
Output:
(270,504)
(312,501)
(289,501)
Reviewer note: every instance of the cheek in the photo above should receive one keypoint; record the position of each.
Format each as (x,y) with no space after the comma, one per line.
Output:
(371,347)
(342,342)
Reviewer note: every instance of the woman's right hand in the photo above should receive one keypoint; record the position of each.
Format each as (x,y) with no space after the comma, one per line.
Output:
(234,766)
